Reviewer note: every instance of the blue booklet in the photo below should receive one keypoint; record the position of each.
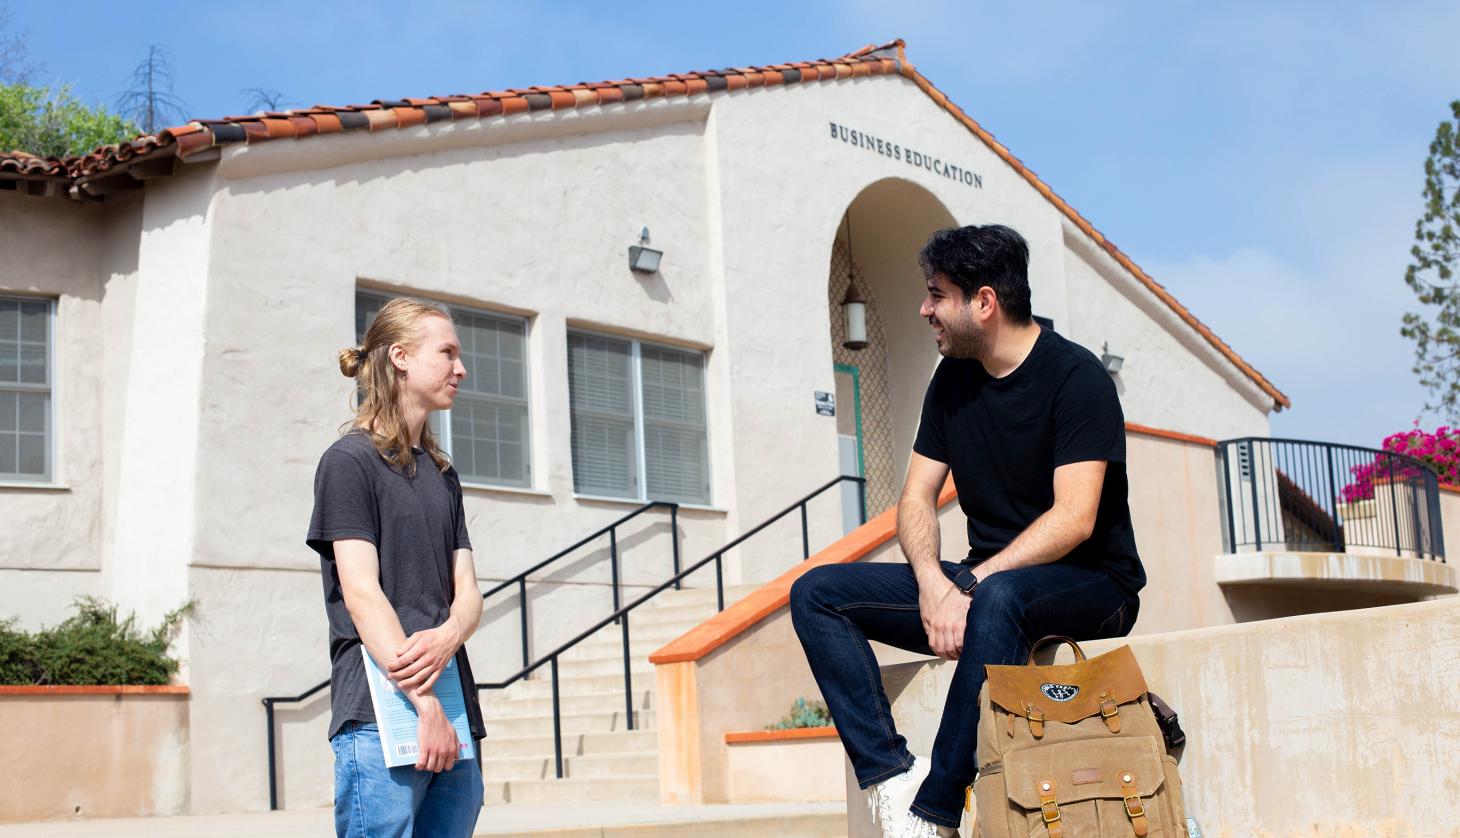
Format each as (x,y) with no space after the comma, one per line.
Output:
(396,716)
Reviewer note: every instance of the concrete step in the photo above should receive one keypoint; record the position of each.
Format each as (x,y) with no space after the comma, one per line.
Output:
(604,722)
(698,596)
(591,668)
(507,769)
(580,744)
(660,633)
(610,651)
(693,614)
(543,688)
(568,704)
(627,787)
(781,820)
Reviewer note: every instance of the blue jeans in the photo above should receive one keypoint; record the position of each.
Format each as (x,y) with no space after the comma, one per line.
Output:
(372,801)
(836,609)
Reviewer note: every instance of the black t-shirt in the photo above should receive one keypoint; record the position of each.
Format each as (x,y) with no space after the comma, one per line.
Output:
(1004,437)
(415,523)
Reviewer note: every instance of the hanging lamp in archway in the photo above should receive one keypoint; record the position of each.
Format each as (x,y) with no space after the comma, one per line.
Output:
(854,305)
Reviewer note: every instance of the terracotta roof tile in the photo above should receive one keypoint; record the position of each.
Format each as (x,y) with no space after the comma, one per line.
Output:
(279,128)
(886,59)
(328,123)
(408,117)
(254,131)
(190,144)
(304,126)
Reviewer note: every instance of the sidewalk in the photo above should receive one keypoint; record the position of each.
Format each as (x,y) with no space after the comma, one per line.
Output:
(555,820)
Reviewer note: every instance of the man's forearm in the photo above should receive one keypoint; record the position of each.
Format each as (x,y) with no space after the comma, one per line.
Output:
(921,540)
(466,612)
(1048,539)
(381,633)
(377,624)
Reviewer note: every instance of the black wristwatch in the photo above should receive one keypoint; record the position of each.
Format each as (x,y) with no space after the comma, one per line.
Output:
(965,581)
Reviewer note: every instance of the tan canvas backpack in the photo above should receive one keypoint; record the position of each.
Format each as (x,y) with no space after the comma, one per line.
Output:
(1072,751)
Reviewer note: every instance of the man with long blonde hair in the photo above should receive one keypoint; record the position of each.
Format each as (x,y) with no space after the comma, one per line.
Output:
(399,579)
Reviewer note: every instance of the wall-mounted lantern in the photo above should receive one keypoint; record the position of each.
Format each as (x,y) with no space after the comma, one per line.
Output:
(1112,362)
(644,259)
(854,309)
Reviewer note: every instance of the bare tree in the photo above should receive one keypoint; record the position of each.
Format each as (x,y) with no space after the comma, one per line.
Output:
(16,66)
(265,99)
(149,101)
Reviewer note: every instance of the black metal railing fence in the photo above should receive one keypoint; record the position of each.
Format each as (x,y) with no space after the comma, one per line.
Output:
(1285,494)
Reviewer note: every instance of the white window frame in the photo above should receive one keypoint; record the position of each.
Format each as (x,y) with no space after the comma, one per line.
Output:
(51,388)
(636,381)
(441,427)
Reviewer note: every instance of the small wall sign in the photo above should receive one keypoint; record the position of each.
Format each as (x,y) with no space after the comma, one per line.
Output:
(825,403)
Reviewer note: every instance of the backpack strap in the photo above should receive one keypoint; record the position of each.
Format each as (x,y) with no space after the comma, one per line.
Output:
(1110,712)
(1134,809)
(1036,721)
(1049,809)
(1055,638)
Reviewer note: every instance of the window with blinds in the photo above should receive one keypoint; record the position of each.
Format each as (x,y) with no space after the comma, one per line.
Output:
(638,420)
(486,433)
(25,389)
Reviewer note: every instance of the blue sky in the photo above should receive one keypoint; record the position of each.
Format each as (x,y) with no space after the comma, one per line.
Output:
(1261,160)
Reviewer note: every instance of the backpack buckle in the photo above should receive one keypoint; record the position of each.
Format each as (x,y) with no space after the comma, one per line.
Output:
(1049,809)
(1133,807)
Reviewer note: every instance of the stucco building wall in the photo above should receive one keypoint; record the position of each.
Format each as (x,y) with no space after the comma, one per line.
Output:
(217,300)
(77,256)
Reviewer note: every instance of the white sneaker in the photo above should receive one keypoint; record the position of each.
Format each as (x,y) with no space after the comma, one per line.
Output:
(916,827)
(890,800)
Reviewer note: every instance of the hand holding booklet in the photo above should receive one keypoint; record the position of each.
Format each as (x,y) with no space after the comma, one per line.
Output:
(396,716)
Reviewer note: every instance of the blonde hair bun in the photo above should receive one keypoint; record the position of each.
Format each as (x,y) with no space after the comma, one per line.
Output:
(351,359)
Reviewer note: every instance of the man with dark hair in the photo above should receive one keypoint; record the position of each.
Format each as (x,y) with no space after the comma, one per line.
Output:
(1030,427)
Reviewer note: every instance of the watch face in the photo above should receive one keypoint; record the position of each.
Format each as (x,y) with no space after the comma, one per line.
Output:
(965,580)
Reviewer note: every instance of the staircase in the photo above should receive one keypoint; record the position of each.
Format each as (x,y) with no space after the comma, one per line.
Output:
(602,758)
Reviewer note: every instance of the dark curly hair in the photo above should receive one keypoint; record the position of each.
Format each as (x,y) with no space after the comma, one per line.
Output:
(973,257)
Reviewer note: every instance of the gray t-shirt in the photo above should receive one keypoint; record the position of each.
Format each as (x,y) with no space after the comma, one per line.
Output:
(415,523)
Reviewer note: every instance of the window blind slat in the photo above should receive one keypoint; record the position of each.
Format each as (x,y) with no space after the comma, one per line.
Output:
(675,448)
(600,393)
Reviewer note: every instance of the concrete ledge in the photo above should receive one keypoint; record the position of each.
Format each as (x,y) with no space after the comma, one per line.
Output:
(95,689)
(94,751)
(742,736)
(784,766)
(1381,574)
(1339,724)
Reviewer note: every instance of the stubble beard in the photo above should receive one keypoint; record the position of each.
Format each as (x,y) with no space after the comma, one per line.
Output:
(966,340)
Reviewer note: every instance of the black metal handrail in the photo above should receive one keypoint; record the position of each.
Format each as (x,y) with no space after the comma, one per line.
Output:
(1321,497)
(621,615)
(520,580)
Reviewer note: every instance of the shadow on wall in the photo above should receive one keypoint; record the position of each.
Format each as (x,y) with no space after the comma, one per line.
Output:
(1271,602)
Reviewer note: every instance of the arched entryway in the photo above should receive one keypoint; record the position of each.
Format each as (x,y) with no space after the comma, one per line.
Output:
(880,387)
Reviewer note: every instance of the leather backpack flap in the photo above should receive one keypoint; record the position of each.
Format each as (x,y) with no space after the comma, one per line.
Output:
(1085,769)
(1068,693)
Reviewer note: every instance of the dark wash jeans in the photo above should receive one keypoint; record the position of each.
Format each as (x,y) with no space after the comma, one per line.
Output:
(837,608)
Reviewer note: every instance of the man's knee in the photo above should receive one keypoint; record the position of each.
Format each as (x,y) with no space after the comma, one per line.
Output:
(996,598)
(807,591)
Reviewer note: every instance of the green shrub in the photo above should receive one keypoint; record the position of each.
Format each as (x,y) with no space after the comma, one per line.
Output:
(18,663)
(91,647)
(804,714)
